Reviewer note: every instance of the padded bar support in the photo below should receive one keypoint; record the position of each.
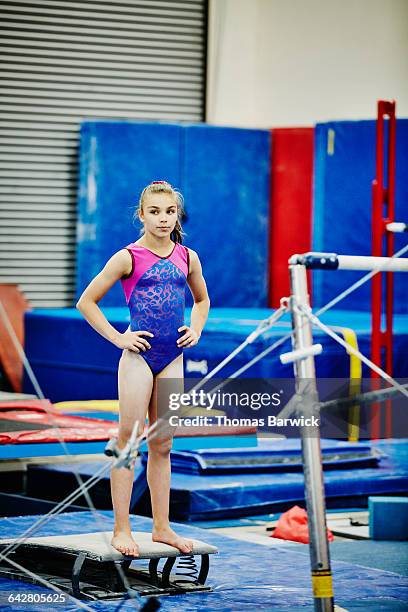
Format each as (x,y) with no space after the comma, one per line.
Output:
(331,261)
(316,261)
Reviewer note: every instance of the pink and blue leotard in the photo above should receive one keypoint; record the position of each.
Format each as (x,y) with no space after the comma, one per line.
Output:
(155,294)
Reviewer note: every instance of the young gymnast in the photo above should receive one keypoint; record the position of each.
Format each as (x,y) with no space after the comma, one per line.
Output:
(154,271)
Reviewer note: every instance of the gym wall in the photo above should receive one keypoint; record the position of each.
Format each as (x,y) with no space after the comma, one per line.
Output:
(273,63)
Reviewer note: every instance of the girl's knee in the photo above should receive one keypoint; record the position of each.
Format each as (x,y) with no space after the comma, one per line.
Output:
(125,432)
(161,446)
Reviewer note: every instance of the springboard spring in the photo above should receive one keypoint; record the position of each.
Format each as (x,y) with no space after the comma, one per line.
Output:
(188,566)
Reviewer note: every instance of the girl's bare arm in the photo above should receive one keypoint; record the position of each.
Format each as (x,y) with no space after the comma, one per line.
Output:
(199,312)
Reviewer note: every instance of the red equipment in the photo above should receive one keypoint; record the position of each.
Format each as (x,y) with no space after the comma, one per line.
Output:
(383,212)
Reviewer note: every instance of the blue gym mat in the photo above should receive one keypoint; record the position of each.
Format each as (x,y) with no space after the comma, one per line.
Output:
(218,170)
(55,482)
(210,497)
(342,206)
(243,575)
(72,361)
(282,456)
(49,449)
(226,178)
(117,159)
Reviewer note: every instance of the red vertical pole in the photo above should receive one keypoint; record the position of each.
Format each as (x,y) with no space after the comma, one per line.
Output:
(389,280)
(383,199)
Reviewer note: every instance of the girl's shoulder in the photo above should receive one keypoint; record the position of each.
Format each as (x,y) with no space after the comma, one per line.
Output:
(192,254)
(181,253)
(193,261)
(132,245)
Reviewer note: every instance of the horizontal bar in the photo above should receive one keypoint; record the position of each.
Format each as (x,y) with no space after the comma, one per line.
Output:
(388,264)
(363,398)
(396,227)
(332,261)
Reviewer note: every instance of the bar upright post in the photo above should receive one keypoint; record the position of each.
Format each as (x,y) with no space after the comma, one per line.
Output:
(312,460)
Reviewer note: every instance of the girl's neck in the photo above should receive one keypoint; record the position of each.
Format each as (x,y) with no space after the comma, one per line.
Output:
(155,243)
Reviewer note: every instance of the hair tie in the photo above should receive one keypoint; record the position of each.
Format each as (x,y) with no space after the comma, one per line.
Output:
(159,183)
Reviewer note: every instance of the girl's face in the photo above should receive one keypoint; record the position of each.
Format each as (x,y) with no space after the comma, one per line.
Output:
(159,214)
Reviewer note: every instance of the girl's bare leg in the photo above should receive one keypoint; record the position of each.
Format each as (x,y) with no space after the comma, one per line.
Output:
(158,465)
(135,382)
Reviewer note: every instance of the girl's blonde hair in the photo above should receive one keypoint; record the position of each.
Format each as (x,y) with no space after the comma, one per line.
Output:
(164,187)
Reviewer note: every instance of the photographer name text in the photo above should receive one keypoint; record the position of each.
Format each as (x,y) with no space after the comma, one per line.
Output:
(217,421)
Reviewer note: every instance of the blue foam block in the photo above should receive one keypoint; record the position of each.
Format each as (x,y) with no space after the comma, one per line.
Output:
(55,482)
(117,159)
(342,205)
(388,518)
(223,174)
(226,186)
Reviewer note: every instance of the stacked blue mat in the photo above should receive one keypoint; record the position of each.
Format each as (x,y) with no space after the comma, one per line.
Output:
(204,491)
(83,365)
(195,496)
(283,456)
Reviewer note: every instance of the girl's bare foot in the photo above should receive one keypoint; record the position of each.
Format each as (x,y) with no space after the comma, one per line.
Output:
(168,536)
(125,544)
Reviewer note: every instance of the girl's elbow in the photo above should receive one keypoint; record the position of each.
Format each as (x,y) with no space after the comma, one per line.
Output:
(206,302)
(82,304)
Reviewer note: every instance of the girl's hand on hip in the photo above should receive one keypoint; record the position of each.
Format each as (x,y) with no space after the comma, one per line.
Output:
(189,338)
(134,341)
